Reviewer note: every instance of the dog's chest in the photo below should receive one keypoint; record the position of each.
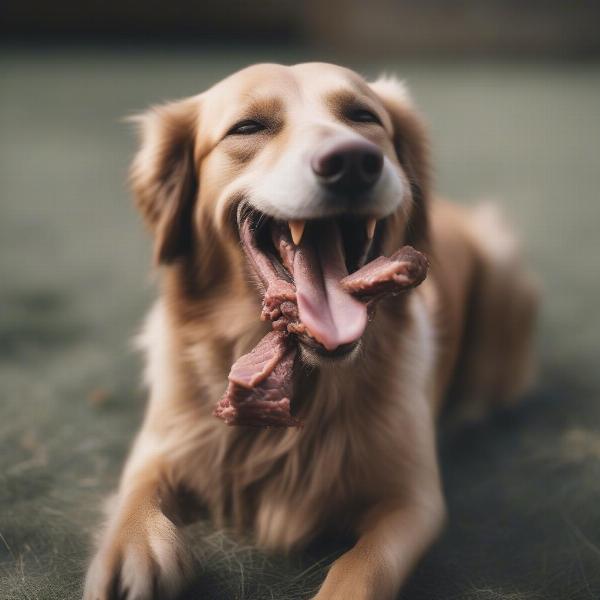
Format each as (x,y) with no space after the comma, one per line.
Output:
(287,486)
(286,492)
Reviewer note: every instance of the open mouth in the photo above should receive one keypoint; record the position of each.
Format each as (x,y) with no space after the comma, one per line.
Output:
(308,260)
(319,278)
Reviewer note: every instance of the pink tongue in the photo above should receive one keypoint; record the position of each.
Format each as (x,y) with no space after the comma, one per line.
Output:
(331,315)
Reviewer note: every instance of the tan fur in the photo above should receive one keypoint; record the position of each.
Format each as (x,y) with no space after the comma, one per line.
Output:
(365,459)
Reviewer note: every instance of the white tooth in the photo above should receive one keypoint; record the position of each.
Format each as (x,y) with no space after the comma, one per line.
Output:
(297,229)
(370,225)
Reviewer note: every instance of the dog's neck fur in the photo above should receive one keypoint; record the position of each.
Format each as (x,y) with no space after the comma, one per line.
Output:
(343,408)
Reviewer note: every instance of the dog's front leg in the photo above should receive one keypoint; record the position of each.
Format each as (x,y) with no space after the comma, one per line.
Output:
(399,528)
(396,534)
(141,554)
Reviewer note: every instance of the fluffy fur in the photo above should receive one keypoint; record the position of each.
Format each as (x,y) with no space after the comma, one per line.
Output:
(365,460)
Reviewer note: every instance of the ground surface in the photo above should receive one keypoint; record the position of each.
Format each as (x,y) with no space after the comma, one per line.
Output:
(523,491)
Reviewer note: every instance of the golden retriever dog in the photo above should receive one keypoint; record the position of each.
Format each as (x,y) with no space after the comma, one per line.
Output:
(344,164)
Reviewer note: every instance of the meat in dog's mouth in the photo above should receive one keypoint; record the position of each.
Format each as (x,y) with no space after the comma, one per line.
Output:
(319,278)
(311,257)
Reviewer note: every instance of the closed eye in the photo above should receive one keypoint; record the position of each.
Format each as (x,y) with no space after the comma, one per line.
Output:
(247,127)
(362,115)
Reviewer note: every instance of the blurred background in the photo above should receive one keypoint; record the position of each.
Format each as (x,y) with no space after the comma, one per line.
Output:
(511,91)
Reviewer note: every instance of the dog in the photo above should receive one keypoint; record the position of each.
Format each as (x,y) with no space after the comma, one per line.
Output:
(302,145)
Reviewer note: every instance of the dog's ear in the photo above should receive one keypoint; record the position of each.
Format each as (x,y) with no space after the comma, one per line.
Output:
(163,176)
(412,149)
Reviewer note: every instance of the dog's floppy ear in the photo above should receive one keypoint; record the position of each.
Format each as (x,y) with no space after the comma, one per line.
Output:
(412,149)
(163,176)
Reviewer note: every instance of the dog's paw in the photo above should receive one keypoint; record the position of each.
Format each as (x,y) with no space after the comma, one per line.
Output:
(353,575)
(140,564)
(344,591)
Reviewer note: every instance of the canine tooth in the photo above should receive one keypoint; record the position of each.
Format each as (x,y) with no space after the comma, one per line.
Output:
(370,225)
(297,230)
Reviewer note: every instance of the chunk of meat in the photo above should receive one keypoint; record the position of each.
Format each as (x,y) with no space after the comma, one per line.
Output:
(261,382)
(256,366)
(405,269)
(279,292)
(260,385)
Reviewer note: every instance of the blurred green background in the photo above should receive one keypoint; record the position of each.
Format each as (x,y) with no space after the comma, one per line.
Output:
(512,95)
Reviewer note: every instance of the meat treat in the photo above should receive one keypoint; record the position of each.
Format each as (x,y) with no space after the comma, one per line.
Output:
(260,385)
(308,296)
(383,276)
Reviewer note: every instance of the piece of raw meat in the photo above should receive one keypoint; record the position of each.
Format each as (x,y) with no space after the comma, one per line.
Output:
(261,382)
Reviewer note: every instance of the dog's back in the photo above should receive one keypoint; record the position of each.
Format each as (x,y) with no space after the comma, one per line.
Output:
(482,301)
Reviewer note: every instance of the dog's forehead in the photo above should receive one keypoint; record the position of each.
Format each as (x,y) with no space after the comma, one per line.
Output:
(323,74)
(307,90)
(288,82)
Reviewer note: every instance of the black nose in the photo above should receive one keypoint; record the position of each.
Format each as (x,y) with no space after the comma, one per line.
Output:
(348,166)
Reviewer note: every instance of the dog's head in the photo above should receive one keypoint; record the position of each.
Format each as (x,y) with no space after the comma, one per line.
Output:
(315,159)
